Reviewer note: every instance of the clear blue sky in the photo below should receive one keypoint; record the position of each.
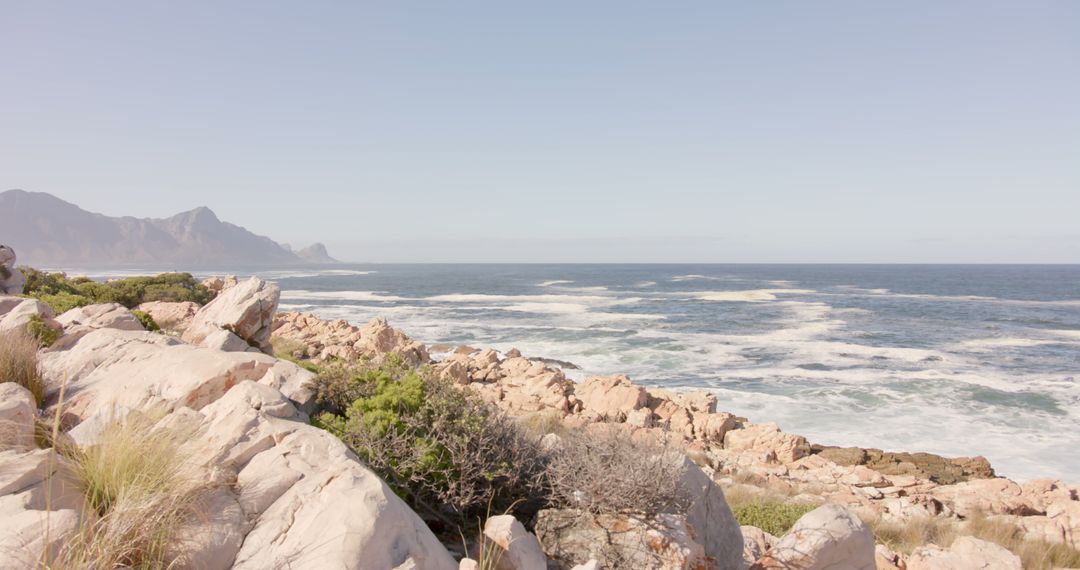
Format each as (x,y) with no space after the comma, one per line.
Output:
(781,131)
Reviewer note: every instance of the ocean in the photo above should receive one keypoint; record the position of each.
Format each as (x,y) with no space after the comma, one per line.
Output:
(948,359)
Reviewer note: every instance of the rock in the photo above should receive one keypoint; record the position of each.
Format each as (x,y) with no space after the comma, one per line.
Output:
(16,313)
(338,339)
(108,371)
(102,316)
(708,515)
(829,537)
(767,438)
(987,496)
(246,310)
(966,553)
(170,316)
(756,543)
(886,559)
(468,564)
(378,338)
(941,470)
(17,414)
(611,397)
(226,341)
(521,550)
(590,565)
(621,541)
(11,279)
(219,284)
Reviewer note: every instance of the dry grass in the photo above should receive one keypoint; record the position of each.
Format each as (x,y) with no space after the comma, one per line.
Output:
(19,363)
(140,490)
(908,535)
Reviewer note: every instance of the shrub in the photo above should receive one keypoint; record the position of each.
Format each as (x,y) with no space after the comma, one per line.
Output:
(444,451)
(19,362)
(773,517)
(147,321)
(63,293)
(41,332)
(142,489)
(608,472)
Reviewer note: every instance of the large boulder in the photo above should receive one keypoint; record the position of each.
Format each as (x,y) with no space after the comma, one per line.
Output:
(16,313)
(520,549)
(710,517)
(829,537)
(611,397)
(965,553)
(108,371)
(11,279)
(17,415)
(768,439)
(170,316)
(617,542)
(102,316)
(246,310)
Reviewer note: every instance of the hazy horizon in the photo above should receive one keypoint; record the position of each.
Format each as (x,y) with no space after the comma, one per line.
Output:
(837,132)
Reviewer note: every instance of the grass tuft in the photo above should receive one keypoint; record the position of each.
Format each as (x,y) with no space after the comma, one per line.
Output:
(19,363)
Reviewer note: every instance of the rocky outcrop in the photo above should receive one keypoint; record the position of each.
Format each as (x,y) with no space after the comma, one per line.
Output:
(217,284)
(170,316)
(11,279)
(827,538)
(245,310)
(941,470)
(16,313)
(621,541)
(103,316)
(282,493)
(965,553)
(338,339)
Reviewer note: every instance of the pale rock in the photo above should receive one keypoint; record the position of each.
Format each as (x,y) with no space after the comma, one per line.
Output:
(828,538)
(468,564)
(17,312)
(987,496)
(170,316)
(715,426)
(965,553)
(710,517)
(17,414)
(590,565)
(378,338)
(11,279)
(521,550)
(622,541)
(642,418)
(886,559)
(219,284)
(247,310)
(225,341)
(756,543)
(101,316)
(611,396)
(784,447)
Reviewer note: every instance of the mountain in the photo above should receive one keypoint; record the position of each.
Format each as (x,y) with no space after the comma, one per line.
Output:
(45,230)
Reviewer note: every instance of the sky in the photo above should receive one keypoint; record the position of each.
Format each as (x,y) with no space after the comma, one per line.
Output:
(564,131)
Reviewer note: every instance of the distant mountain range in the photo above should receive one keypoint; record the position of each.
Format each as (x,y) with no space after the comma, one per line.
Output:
(45,230)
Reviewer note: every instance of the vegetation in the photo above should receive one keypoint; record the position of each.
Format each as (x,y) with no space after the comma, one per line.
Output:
(606,472)
(140,490)
(62,293)
(773,517)
(447,453)
(19,362)
(41,332)
(908,535)
(293,351)
(147,321)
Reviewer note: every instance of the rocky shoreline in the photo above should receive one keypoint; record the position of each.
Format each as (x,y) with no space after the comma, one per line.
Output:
(283,482)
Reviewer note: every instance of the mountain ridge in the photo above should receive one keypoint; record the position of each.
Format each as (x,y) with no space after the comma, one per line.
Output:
(44,229)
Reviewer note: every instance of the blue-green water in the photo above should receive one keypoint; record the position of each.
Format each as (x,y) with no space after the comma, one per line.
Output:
(958,360)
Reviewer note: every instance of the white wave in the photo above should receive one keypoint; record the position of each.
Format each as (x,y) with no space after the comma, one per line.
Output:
(754,295)
(554,282)
(644,283)
(550,308)
(1066,333)
(343,295)
(990,344)
(489,298)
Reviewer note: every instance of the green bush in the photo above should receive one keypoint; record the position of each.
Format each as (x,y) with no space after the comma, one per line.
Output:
(147,321)
(773,517)
(44,334)
(450,455)
(63,293)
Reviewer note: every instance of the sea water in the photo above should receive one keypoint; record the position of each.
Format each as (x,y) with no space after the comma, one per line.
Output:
(948,359)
